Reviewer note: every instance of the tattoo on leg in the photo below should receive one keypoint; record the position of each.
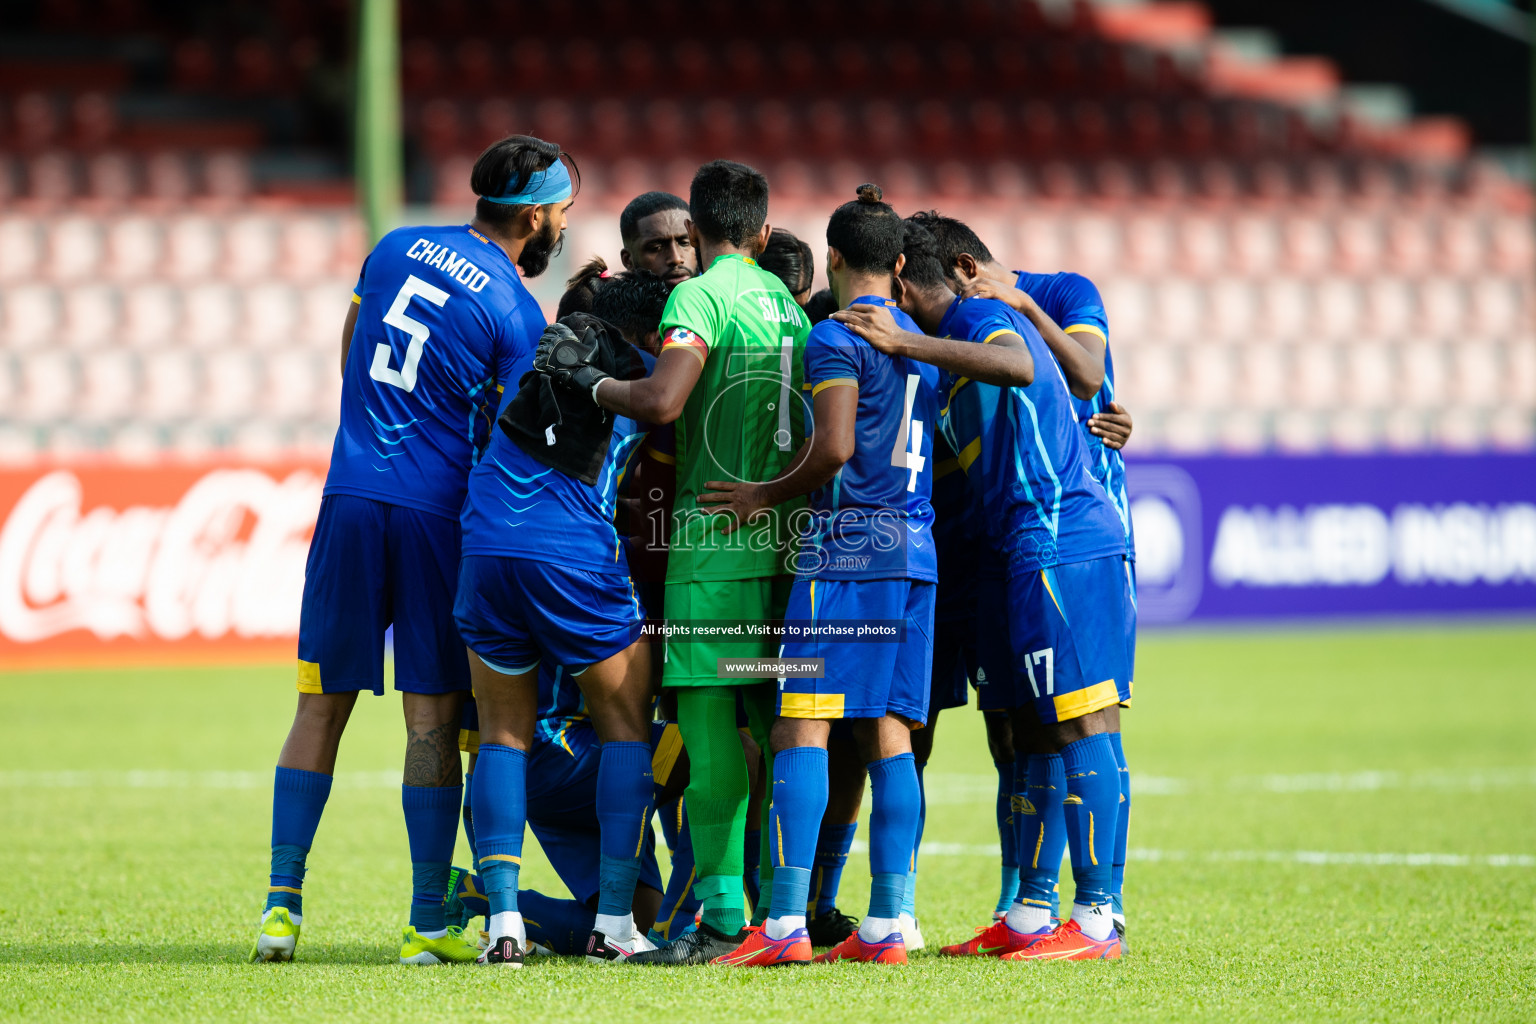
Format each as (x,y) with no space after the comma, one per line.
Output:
(432,757)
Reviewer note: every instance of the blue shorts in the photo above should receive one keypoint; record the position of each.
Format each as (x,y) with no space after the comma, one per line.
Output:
(994,651)
(955,663)
(562,811)
(1070,628)
(863,680)
(372,564)
(513,612)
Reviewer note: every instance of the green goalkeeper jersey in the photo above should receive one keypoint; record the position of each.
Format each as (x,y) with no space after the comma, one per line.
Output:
(744,420)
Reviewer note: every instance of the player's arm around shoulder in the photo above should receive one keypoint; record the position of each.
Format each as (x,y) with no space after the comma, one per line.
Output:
(1003,358)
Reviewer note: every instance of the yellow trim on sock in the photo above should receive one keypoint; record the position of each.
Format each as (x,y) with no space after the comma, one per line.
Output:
(285,888)
(1091,856)
(668,747)
(501,857)
(778,828)
(1035,863)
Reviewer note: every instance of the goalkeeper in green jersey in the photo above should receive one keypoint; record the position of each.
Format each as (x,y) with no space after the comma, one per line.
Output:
(729,374)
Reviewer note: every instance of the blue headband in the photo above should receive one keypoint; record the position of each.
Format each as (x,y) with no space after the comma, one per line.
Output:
(552,185)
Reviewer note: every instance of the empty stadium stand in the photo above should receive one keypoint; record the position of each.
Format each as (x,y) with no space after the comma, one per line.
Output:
(1283,270)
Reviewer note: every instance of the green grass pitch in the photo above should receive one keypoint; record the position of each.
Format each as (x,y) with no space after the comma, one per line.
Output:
(1328,825)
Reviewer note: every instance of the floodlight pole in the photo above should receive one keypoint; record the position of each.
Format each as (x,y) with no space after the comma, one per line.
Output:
(378,157)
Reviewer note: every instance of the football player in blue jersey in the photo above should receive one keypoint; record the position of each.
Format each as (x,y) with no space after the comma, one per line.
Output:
(1067,594)
(1069,313)
(564,765)
(545,576)
(866,559)
(440,322)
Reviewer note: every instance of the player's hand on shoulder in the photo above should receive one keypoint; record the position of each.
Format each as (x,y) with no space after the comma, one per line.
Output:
(1113,425)
(983,288)
(874,324)
(742,502)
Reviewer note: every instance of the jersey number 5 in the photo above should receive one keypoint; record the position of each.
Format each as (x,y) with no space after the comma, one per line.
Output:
(902,456)
(405,377)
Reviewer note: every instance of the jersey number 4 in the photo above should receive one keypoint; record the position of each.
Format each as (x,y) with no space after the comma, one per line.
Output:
(405,377)
(907,452)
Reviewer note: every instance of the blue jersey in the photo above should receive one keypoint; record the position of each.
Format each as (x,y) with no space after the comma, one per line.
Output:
(1075,304)
(520,508)
(1025,450)
(873,520)
(443,321)
(561,705)
(958,537)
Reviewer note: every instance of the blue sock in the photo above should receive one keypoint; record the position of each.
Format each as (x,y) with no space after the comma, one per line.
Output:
(501,814)
(678,903)
(1040,827)
(298,799)
(469,817)
(1091,810)
(752,867)
(624,791)
(432,825)
(832,846)
(670,817)
(471,893)
(895,804)
(1122,827)
(909,897)
(562,925)
(1008,883)
(794,821)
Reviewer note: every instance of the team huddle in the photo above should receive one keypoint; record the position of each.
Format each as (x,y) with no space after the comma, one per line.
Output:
(714,550)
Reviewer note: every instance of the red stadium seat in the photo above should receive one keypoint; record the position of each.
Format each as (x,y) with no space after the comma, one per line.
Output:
(827,126)
(882,129)
(691,66)
(988,128)
(475,67)
(667,129)
(111,176)
(555,120)
(901,66)
(609,135)
(495,118)
(719,122)
(50,384)
(1059,180)
(850,66)
(257,67)
(29,316)
(227,175)
(934,126)
(420,66)
(774,128)
(744,65)
(1041,135)
(957,66)
(796,67)
(637,60)
(151,316)
(168,176)
(440,125)
(952,180)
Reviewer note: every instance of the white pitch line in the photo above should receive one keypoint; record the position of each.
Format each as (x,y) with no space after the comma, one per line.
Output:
(940,787)
(1310,857)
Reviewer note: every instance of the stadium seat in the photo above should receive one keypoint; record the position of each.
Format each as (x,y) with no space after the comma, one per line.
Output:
(170,385)
(1368,377)
(269,315)
(250,248)
(151,315)
(1260,380)
(1422,374)
(90,316)
(21,248)
(1336,310)
(49,386)
(75,248)
(210,313)
(31,315)
(192,248)
(134,248)
(109,385)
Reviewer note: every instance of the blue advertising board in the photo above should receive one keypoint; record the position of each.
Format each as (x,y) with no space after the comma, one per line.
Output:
(1266,537)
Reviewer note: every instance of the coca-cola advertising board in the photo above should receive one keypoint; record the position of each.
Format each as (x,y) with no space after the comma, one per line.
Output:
(113,564)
